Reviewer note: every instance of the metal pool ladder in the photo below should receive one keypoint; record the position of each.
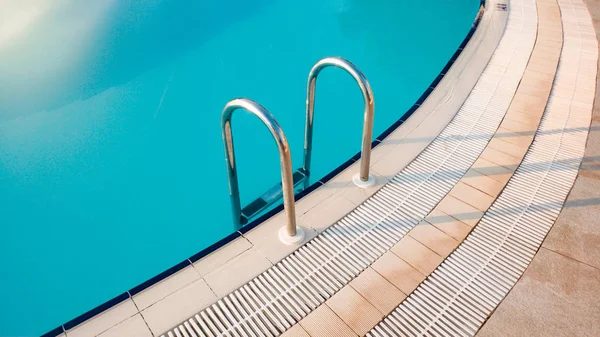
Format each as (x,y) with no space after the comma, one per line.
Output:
(291,233)
(364,179)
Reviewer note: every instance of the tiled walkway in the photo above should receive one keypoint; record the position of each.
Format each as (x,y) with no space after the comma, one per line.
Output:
(558,294)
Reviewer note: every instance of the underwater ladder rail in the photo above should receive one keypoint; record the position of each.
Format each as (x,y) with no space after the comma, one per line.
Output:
(290,233)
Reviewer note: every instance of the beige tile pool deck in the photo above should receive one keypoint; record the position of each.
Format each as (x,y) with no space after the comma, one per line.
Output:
(557,295)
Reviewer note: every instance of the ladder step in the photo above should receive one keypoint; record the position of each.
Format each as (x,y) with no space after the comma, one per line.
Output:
(272,196)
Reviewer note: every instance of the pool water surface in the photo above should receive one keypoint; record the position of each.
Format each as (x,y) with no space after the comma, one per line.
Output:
(111,158)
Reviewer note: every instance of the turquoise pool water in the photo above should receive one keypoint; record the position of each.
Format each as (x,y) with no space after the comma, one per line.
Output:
(111,159)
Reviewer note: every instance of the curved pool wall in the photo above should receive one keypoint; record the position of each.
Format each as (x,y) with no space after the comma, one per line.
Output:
(106,173)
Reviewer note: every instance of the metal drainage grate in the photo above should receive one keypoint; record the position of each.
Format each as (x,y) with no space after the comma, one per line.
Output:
(288,291)
(459,296)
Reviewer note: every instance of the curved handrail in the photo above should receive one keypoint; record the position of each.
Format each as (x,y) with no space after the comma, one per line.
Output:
(369,111)
(285,159)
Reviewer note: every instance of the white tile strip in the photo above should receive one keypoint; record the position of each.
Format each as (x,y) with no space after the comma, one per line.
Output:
(459,296)
(285,293)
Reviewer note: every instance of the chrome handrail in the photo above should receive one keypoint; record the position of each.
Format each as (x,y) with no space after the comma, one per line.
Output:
(369,112)
(285,159)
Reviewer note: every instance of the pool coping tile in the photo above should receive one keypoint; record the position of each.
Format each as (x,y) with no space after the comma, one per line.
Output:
(134,326)
(237,272)
(164,288)
(172,309)
(104,320)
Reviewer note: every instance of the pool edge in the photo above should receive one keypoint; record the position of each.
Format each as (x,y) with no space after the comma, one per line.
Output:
(262,219)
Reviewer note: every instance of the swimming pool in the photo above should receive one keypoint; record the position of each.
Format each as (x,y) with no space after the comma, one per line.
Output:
(111,158)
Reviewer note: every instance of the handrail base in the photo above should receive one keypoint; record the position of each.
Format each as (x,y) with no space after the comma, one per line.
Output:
(363,184)
(286,239)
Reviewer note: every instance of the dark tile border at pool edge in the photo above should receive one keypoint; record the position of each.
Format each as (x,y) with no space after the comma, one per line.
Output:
(147,284)
(54,333)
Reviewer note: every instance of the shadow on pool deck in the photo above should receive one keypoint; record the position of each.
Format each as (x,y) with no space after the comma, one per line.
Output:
(558,294)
